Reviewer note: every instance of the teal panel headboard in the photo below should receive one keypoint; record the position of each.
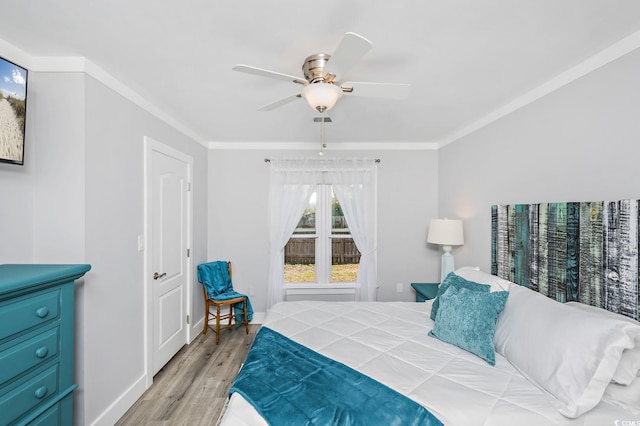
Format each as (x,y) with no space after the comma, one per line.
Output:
(585,251)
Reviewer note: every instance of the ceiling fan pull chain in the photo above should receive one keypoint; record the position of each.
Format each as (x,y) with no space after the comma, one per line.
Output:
(322,144)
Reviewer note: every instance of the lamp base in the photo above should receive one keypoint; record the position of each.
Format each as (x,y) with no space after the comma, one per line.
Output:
(447,263)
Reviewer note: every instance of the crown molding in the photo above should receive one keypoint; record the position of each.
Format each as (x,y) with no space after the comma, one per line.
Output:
(604,57)
(15,55)
(70,64)
(80,64)
(332,146)
(115,84)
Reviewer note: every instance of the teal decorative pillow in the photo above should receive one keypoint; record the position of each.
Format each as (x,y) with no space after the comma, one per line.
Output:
(467,319)
(458,282)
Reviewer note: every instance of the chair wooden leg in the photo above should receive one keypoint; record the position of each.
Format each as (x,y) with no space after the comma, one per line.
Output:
(246,318)
(217,324)
(206,317)
(232,316)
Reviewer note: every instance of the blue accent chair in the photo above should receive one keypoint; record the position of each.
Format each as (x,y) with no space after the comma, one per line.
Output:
(218,292)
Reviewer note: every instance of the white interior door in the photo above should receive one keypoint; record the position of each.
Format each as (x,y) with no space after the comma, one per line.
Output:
(169,263)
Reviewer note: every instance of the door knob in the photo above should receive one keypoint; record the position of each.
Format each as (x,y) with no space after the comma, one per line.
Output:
(157,275)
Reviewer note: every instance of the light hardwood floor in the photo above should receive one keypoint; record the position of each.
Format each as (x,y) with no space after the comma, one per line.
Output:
(192,388)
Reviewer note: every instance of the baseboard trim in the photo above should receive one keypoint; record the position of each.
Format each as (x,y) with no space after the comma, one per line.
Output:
(259,317)
(116,410)
(128,398)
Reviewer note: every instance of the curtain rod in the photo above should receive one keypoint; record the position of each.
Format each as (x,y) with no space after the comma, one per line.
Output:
(268,160)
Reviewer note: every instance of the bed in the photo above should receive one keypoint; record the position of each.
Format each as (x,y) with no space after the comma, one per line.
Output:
(389,342)
(488,350)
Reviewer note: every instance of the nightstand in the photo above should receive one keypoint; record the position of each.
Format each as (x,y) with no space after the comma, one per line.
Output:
(425,291)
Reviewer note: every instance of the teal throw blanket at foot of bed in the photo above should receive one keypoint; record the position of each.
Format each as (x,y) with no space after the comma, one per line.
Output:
(290,384)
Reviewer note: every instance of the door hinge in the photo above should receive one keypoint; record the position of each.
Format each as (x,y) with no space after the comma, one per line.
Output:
(187,319)
(188,186)
(188,252)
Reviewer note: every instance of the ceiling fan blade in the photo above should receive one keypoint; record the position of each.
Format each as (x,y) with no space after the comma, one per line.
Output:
(349,52)
(377,90)
(270,74)
(280,102)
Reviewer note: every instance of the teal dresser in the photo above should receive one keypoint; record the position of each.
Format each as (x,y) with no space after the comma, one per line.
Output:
(36,343)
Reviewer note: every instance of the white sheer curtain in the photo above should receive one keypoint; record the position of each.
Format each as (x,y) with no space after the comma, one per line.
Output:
(292,181)
(354,183)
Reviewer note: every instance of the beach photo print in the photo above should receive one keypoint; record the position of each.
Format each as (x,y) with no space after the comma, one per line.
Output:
(13,107)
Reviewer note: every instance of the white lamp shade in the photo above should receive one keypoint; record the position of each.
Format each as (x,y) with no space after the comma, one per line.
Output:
(323,95)
(447,232)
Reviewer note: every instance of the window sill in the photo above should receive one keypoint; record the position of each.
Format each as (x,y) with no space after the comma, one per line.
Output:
(332,286)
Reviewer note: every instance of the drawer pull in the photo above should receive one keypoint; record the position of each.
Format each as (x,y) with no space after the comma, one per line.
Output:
(41,392)
(42,352)
(42,312)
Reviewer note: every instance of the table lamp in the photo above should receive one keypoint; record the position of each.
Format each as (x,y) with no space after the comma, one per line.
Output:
(448,233)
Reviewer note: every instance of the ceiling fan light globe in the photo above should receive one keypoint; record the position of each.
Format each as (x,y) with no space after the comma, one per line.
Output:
(321,96)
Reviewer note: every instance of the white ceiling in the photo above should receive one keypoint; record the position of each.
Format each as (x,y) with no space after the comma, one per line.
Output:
(467,60)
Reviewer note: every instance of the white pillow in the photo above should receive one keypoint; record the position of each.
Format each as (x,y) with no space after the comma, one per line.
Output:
(570,354)
(629,368)
(473,273)
(627,397)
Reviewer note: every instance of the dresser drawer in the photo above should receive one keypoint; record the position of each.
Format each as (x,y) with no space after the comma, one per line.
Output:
(28,395)
(48,418)
(27,312)
(25,355)
(60,414)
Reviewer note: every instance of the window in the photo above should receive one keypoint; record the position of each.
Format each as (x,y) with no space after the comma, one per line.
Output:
(321,249)
(292,181)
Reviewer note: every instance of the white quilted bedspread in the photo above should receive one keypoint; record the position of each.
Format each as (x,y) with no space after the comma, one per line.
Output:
(388,341)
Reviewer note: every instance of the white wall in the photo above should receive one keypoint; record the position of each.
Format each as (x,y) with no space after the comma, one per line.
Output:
(16,212)
(114,335)
(57,120)
(79,199)
(407,200)
(580,143)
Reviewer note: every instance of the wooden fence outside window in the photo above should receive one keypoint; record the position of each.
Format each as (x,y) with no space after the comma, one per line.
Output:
(302,251)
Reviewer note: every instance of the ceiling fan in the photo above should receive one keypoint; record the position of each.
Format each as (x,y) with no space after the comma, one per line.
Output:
(324,77)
